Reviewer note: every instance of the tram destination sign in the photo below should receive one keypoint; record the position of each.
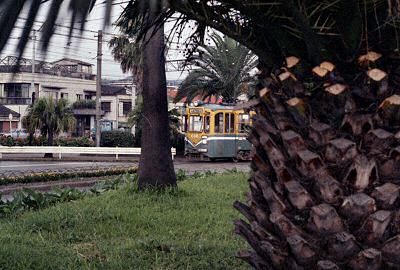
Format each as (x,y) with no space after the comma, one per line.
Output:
(195,110)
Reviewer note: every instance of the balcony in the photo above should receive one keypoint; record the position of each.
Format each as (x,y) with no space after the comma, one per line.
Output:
(85,107)
(15,101)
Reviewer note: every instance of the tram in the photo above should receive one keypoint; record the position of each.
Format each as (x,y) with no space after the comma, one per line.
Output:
(216,131)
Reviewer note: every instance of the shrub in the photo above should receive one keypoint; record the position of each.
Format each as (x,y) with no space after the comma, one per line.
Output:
(74,142)
(10,141)
(7,141)
(117,138)
(84,104)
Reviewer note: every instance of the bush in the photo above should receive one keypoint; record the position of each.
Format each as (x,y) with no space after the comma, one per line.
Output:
(84,104)
(74,142)
(117,138)
(178,142)
(10,141)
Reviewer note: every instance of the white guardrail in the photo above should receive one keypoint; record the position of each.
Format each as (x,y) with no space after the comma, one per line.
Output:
(60,150)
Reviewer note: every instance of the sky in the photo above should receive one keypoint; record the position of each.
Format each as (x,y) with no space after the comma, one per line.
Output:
(85,48)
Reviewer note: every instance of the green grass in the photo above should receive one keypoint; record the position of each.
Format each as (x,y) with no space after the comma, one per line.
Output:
(186,229)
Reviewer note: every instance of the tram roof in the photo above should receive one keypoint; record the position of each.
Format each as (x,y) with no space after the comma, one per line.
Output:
(216,106)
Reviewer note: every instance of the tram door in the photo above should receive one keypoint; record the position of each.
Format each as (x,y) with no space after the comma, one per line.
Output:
(243,124)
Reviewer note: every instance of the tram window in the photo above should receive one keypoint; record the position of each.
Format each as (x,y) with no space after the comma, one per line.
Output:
(232,124)
(195,123)
(229,123)
(219,123)
(207,124)
(244,123)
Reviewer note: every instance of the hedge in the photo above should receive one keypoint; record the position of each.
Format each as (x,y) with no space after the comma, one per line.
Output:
(117,138)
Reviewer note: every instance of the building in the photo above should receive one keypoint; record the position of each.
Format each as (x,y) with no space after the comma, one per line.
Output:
(116,102)
(6,121)
(67,78)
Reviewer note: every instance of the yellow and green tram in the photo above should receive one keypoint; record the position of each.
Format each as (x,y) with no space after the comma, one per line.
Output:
(216,131)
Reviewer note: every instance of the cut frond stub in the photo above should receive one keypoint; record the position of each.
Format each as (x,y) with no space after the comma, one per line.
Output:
(286,75)
(376,74)
(264,91)
(328,66)
(291,61)
(321,72)
(369,57)
(392,100)
(336,89)
(295,102)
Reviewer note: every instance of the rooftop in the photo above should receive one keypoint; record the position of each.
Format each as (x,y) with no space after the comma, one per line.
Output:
(4,112)
(111,90)
(73,61)
(11,64)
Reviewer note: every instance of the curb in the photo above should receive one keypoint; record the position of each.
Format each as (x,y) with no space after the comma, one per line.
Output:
(48,186)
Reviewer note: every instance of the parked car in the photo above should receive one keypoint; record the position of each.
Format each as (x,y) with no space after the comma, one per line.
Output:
(18,133)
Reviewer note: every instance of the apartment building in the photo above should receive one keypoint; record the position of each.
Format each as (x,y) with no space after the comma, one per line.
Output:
(116,103)
(66,78)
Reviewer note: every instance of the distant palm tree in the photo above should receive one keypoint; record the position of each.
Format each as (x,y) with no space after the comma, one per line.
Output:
(136,115)
(51,117)
(219,70)
(128,52)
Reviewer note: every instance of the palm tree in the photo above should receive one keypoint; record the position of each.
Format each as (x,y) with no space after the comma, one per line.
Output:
(30,123)
(51,117)
(219,70)
(156,168)
(128,51)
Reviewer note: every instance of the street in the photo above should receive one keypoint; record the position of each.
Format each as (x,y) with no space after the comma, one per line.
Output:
(26,167)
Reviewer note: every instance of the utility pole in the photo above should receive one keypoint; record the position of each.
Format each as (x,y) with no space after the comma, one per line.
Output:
(98,86)
(33,89)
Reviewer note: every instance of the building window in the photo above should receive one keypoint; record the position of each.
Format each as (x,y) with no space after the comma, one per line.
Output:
(106,106)
(78,96)
(85,69)
(126,108)
(51,94)
(64,95)
(17,90)
(16,93)
(88,97)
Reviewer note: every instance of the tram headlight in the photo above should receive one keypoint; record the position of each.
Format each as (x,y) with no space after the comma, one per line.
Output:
(204,139)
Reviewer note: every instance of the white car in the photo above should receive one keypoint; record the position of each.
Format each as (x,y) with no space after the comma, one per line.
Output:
(18,133)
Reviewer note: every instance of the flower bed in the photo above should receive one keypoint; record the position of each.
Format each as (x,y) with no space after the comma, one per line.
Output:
(55,176)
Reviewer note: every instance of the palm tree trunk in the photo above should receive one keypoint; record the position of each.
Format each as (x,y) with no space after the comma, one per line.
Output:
(50,140)
(156,168)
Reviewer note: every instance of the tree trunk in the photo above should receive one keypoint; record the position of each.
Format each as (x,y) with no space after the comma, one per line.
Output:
(156,168)
(50,140)
(30,138)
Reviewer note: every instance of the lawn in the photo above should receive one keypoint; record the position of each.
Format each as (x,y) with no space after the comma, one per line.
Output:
(126,229)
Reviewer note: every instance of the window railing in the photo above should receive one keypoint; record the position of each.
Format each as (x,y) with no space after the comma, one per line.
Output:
(15,101)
